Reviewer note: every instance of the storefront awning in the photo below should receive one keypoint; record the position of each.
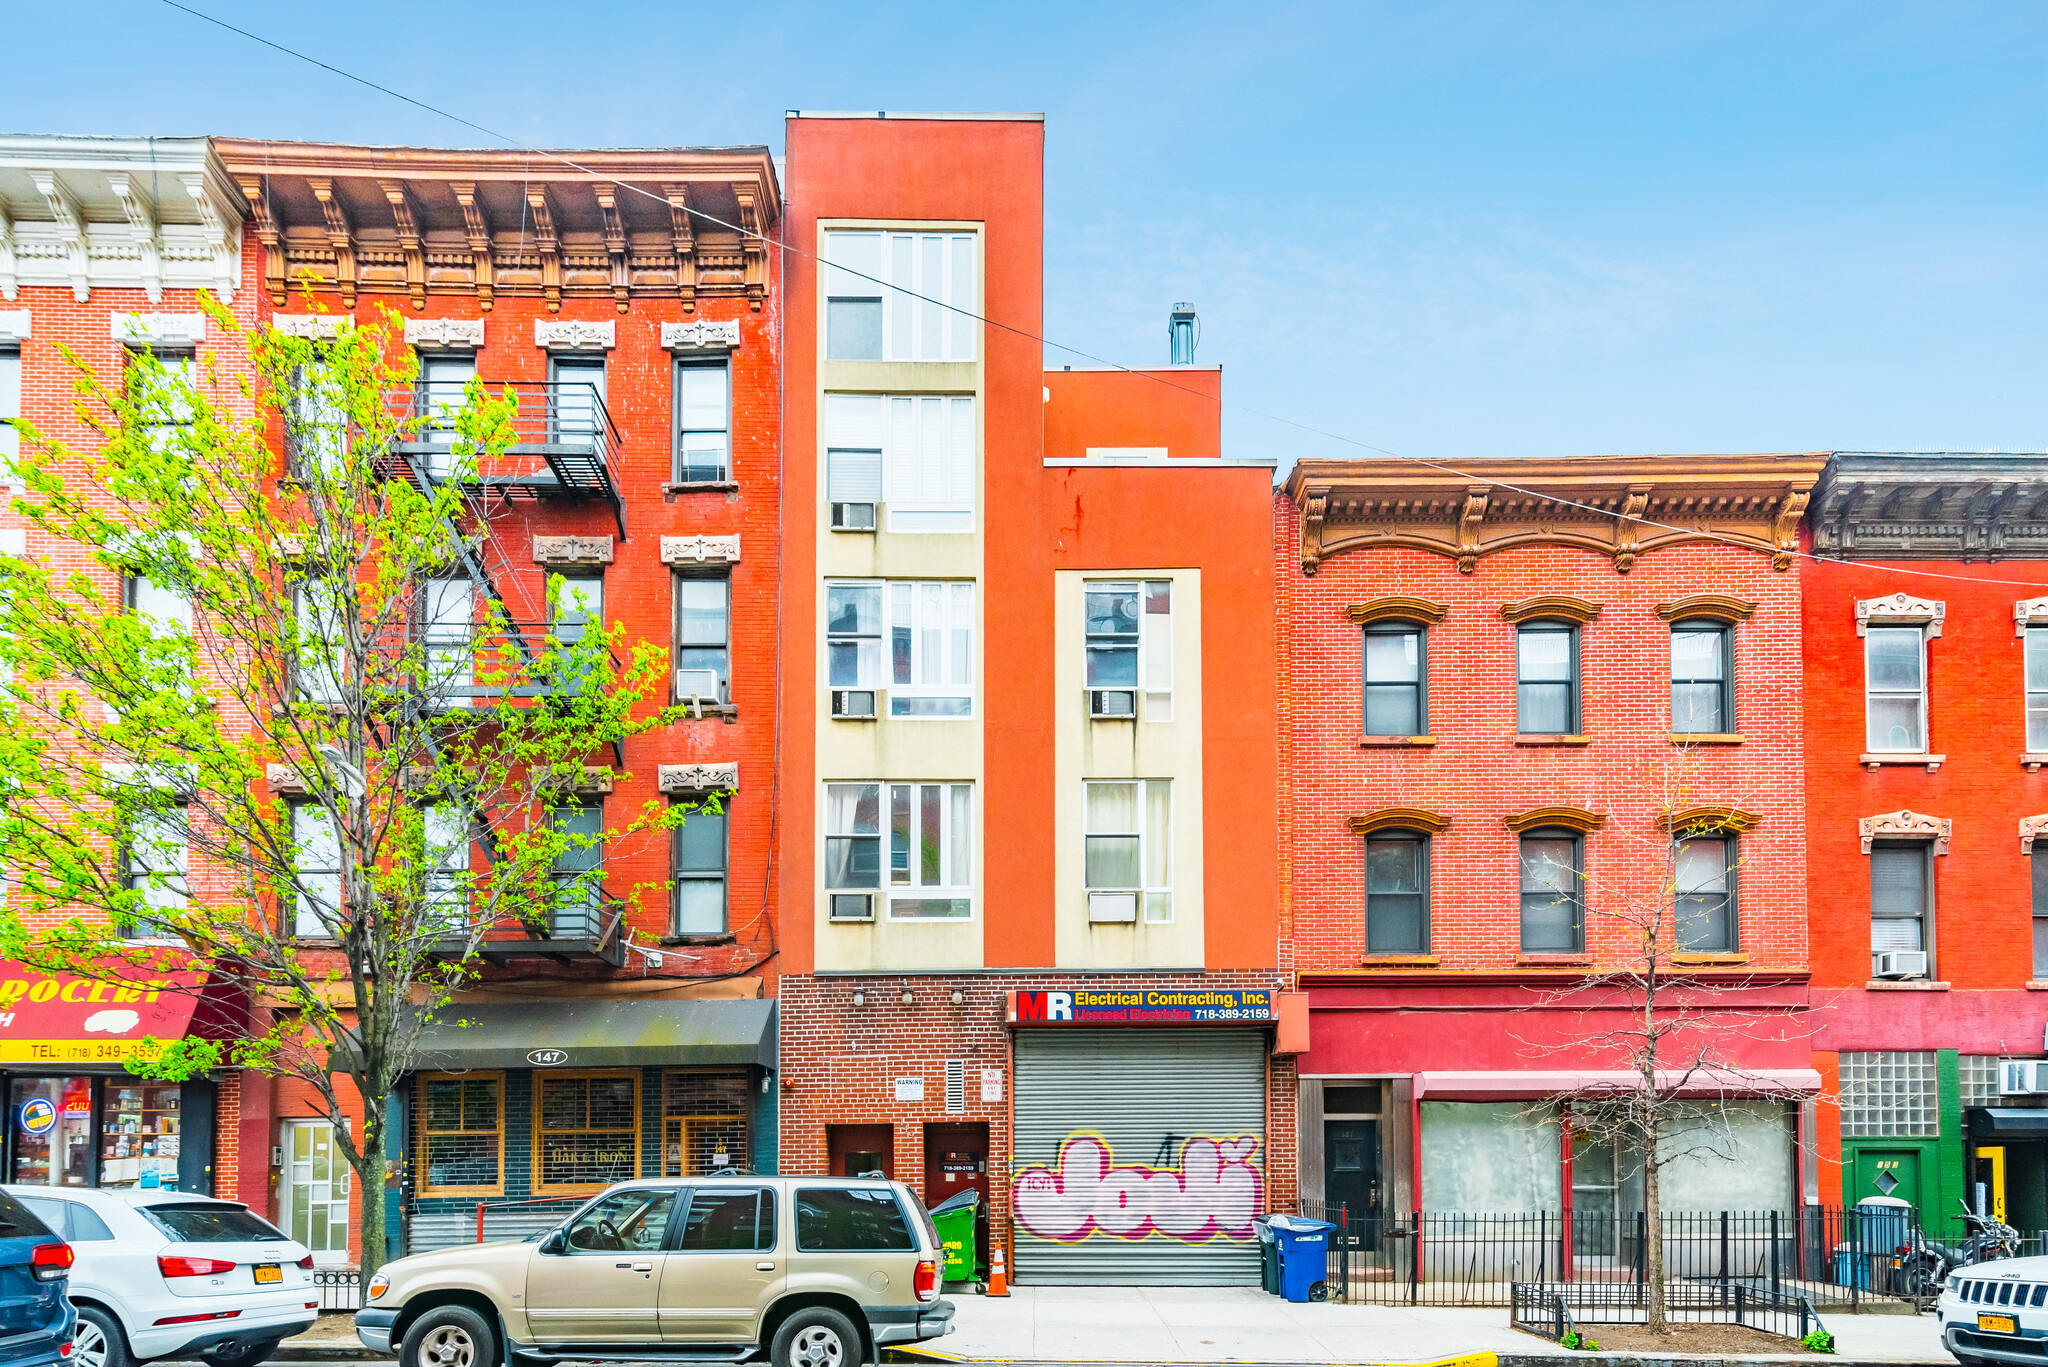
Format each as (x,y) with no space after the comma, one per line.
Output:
(58,1019)
(603,1033)
(2004,1122)
(1517,1084)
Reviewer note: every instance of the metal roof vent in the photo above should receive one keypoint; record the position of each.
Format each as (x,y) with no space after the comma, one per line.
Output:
(1182,334)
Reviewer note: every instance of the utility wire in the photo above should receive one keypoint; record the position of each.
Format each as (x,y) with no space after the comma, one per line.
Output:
(1155,377)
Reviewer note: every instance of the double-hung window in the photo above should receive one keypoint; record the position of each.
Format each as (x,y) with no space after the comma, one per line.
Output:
(1899,899)
(703,639)
(316,874)
(1553,907)
(153,867)
(578,871)
(901,296)
(1703,877)
(1702,674)
(700,874)
(322,645)
(438,398)
(2039,869)
(916,452)
(576,409)
(1547,678)
(316,423)
(929,631)
(2037,689)
(703,406)
(930,866)
(1895,683)
(165,608)
(1128,855)
(447,615)
(444,857)
(853,636)
(1129,645)
(1396,893)
(10,413)
(1396,679)
(576,608)
(167,410)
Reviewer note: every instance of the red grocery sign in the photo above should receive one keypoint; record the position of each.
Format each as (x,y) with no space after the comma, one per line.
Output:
(71,1018)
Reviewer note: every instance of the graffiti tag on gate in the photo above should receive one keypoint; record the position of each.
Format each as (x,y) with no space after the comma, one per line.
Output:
(1213,1192)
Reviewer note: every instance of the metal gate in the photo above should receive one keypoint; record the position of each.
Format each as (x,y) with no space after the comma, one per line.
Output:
(1141,1156)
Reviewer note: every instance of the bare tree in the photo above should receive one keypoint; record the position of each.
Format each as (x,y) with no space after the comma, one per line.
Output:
(271,713)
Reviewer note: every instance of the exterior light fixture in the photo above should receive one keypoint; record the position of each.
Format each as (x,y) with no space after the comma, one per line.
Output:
(907,997)
(860,999)
(958,996)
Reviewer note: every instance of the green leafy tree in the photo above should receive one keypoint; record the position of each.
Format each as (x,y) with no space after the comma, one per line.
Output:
(267,714)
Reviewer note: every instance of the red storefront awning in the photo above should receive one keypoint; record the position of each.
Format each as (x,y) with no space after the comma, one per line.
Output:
(57,1019)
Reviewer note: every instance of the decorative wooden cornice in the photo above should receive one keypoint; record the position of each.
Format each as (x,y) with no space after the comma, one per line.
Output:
(1562,606)
(1398,608)
(1570,818)
(1715,607)
(1621,507)
(1905,825)
(1709,820)
(422,222)
(1900,610)
(1400,819)
(1932,505)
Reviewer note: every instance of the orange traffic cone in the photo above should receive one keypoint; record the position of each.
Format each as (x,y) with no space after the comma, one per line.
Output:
(998,1275)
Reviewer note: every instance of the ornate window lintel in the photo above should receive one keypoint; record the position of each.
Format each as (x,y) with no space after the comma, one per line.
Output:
(2031,826)
(700,778)
(14,325)
(1559,605)
(700,550)
(1400,819)
(1711,819)
(1718,607)
(1900,610)
(314,327)
(1571,818)
(571,334)
(2029,612)
(1399,607)
(445,334)
(701,335)
(1906,825)
(176,330)
(575,552)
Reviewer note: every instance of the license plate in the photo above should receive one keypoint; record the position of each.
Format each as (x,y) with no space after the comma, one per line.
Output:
(1998,1324)
(271,1272)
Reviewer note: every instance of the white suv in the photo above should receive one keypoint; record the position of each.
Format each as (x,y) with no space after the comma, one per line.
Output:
(162,1274)
(1996,1312)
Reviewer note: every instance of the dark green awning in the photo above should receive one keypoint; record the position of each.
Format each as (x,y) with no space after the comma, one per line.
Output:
(2000,1122)
(602,1033)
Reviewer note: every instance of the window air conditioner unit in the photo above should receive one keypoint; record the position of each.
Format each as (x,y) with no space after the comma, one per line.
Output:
(1113,906)
(1121,703)
(853,704)
(1902,963)
(2022,1077)
(852,906)
(697,687)
(853,517)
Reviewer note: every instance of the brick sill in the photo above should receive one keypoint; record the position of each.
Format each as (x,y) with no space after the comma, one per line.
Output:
(1396,742)
(1398,961)
(709,712)
(670,492)
(1928,762)
(1554,741)
(1904,985)
(1708,960)
(1705,738)
(1553,961)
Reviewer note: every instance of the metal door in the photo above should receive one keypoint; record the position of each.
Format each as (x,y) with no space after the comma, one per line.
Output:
(314,1193)
(1140,1156)
(1351,1176)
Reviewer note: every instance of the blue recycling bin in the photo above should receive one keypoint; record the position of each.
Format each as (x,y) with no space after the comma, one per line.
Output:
(1304,1247)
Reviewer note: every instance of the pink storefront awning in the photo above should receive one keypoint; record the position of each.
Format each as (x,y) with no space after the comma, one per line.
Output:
(1505,1085)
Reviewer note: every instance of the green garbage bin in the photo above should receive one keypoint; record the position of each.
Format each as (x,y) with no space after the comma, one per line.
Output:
(954,1218)
(1269,1257)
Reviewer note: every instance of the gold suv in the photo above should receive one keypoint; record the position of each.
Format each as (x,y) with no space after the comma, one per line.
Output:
(812,1271)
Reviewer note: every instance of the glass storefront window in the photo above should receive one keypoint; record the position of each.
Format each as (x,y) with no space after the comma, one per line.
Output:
(139,1135)
(52,1120)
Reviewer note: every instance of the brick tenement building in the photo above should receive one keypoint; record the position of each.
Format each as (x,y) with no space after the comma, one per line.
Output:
(1027,855)
(1926,646)
(632,307)
(1501,691)
(105,244)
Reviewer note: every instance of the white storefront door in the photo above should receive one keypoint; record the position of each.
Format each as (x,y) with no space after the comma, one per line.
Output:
(314,1191)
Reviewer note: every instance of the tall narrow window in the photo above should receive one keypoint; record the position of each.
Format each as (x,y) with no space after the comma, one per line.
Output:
(931,649)
(167,402)
(445,840)
(1898,899)
(2037,689)
(853,635)
(322,643)
(853,459)
(1701,698)
(700,845)
(1703,875)
(153,867)
(1128,642)
(578,606)
(1127,862)
(1553,909)
(931,835)
(1547,679)
(1895,676)
(1396,893)
(317,424)
(576,404)
(853,296)
(10,413)
(1395,698)
(316,873)
(578,872)
(853,849)
(438,397)
(447,613)
(703,423)
(703,640)
(2039,869)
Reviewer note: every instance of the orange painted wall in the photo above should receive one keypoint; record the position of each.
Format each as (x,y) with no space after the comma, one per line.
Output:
(1178,409)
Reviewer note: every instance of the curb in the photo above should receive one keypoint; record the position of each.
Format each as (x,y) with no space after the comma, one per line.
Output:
(325,1352)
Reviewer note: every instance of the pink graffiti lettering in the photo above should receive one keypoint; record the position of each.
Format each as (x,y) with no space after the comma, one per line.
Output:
(1213,1193)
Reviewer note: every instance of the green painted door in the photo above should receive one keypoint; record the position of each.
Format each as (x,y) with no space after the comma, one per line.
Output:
(1884,1172)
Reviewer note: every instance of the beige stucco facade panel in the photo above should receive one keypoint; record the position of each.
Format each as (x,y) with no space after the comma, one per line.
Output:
(1085,749)
(896,555)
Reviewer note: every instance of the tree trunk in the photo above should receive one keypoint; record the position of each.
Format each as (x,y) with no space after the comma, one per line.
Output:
(370,1183)
(1655,1319)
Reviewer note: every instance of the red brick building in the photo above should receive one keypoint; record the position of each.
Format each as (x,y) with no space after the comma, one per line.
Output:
(1502,693)
(1027,858)
(632,306)
(1926,653)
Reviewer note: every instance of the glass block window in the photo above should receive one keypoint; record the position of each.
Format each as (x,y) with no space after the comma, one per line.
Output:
(1890,1094)
(588,1131)
(1980,1079)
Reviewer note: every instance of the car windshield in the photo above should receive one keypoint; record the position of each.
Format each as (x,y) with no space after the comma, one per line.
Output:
(212,1223)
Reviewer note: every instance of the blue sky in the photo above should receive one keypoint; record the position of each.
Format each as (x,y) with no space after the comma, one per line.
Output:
(1445,230)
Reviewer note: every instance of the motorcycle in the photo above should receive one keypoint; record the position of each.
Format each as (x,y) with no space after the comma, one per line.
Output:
(1924,1265)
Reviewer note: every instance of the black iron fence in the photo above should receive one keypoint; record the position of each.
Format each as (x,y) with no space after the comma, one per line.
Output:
(1555,1309)
(1822,1256)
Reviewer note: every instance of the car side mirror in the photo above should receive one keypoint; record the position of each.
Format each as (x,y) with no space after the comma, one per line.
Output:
(554,1243)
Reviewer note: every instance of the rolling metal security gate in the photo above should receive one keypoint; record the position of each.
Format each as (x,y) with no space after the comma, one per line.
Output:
(1143,1094)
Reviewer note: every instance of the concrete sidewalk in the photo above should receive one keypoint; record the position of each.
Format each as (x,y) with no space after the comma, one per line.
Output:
(1161,1324)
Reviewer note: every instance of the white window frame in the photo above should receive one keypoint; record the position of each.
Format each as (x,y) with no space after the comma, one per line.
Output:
(1154,645)
(1152,896)
(319,426)
(447,627)
(1919,695)
(314,882)
(316,680)
(152,830)
(927,279)
(929,445)
(10,412)
(877,672)
(2036,699)
(956,803)
(445,838)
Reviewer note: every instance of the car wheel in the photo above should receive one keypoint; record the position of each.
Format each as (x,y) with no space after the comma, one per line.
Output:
(450,1336)
(98,1340)
(814,1337)
(247,1355)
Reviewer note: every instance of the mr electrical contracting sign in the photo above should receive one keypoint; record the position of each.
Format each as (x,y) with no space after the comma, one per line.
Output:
(1140,1006)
